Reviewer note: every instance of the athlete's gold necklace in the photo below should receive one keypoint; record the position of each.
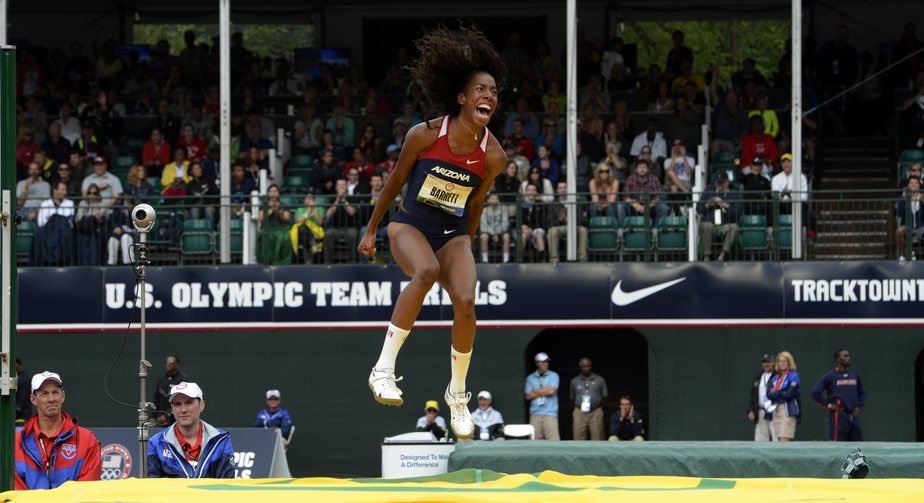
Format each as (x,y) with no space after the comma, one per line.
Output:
(469,129)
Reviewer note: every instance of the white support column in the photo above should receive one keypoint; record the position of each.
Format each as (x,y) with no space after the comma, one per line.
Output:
(224,21)
(571,119)
(4,8)
(797,187)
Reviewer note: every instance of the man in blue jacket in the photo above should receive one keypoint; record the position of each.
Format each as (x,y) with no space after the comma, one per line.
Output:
(846,397)
(191,448)
(274,416)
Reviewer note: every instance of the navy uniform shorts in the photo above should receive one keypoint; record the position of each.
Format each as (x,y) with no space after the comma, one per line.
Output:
(437,234)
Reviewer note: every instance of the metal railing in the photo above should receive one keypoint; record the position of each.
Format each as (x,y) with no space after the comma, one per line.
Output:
(860,225)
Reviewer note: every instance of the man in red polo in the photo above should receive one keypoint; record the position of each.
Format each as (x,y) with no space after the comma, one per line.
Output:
(51,449)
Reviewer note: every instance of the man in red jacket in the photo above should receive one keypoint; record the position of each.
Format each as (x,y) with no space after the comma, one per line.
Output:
(51,449)
(758,144)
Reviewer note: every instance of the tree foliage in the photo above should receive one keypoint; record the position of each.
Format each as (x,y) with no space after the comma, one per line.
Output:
(264,40)
(711,43)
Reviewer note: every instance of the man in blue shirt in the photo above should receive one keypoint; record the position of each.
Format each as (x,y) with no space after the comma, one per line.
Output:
(846,397)
(274,415)
(541,389)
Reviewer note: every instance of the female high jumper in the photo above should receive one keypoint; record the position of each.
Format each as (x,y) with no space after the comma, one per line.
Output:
(449,163)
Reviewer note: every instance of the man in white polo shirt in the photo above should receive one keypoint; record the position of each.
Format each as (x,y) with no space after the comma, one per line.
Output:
(489,424)
(110,188)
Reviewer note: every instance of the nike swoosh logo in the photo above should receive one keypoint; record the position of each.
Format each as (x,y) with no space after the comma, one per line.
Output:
(621,298)
(449,231)
(471,161)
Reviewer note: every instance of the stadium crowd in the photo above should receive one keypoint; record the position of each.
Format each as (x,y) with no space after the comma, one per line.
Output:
(81,170)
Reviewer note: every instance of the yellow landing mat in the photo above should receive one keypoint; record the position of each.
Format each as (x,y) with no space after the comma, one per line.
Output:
(480,486)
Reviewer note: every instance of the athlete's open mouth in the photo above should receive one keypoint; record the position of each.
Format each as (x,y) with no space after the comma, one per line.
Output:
(483,111)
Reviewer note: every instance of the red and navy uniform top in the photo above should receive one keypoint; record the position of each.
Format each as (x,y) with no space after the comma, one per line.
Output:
(441,182)
(42,462)
(844,388)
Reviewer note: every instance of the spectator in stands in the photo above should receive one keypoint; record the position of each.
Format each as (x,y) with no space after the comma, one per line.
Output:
(70,125)
(731,123)
(327,172)
(638,185)
(370,144)
(275,416)
(56,146)
(121,230)
(914,170)
(771,122)
(513,154)
(661,100)
(584,173)
(653,79)
(374,189)
(195,147)
(541,393)
(653,139)
(241,185)
(548,165)
(755,188)
(46,165)
(137,188)
(905,73)
(783,184)
(590,122)
(589,394)
(340,222)
(784,390)
(837,65)
(554,96)
(619,81)
(309,222)
(749,96)
(56,205)
(549,138)
(603,192)
(618,166)
(109,185)
(685,125)
(911,194)
(595,95)
(328,143)
(285,84)
(720,209)
(612,138)
(431,421)
(201,122)
(66,176)
(211,166)
(687,75)
(489,422)
(88,142)
(140,82)
(143,106)
(508,184)
(678,170)
(677,55)
(409,117)
(203,194)
(173,376)
(911,124)
(748,73)
(64,451)
(845,399)
(391,159)
(257,141)
(763,420)
(393,83)
(341,125)
(627,424)
(33,118)
(92,213)
(758,144)
(533,218)
(155,154)
(176,174)
(782,79)
(612,57)
(81,167)
(558,225)
(494,227)
(536,177)
(162,61)
(253,162)
(543,65)
(25,145)
(556,117)
(696,100)
(276,222)
(419,99)
(361,164)
(168,124)
(529,122)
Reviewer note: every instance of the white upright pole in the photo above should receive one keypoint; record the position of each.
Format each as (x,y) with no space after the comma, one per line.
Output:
(4,7)
(225,134)
(797,187)
(571,133)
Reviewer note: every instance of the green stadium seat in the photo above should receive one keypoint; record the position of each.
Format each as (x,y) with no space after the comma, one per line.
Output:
(122,176)
(753,232)
(295,184)
(601,234)
(910,156)
(237,237)
(132,146)
(156,186)
(672,233)
(785,232)
(25,234)
(725,158)
(633,237)
(197,238)
(301,163)
(123,163)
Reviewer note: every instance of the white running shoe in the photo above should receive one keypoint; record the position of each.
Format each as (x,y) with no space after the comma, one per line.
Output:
(382,383)
(462,424)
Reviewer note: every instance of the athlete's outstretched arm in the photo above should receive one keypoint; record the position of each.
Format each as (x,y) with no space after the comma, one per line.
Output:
(417,141)
(494,161)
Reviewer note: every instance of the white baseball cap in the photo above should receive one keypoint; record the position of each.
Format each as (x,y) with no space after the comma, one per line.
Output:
(190,389)
(38,379)
(273,393)
(484,394)
(542,357)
